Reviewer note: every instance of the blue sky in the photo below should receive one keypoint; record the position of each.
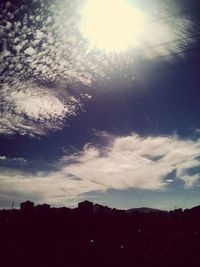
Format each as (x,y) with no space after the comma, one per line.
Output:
(120,128)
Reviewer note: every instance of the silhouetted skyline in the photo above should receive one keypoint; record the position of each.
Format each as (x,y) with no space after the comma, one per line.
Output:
(95,235)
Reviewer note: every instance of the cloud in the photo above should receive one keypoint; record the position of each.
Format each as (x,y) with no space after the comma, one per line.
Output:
(43,51)
(42,65)
(47,49)
(27,108)
(126,162)
(135,162)
(165,38)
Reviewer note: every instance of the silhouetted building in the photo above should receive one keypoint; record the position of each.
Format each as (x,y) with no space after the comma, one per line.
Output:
(61,211)
(27,207)
(98,209)
(85,207)
(44,208)
(102,210)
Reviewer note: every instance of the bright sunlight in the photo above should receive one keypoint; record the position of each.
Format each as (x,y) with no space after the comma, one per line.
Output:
(111,25)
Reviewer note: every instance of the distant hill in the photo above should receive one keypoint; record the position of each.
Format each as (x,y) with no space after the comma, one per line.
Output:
(195,209)
(145,210)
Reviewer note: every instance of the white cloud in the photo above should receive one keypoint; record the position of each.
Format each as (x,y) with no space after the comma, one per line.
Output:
(19,160)
(190,180)
(127,162)
(68,60)
(136,162)
(39,34)
(31,109)
(29,51)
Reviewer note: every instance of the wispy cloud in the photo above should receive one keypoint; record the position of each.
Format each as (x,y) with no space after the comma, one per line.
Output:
(126,162)
(137,162)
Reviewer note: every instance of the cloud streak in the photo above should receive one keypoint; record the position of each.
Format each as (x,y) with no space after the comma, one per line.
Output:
(126,162)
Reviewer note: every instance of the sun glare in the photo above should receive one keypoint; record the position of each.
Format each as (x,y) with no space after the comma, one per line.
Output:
(110,25)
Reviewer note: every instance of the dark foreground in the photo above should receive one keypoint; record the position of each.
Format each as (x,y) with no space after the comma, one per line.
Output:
(62,237)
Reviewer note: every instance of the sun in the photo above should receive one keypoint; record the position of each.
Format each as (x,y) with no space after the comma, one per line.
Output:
(110,25)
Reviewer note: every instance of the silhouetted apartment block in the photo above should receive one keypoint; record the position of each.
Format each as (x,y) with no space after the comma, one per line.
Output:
(44,208)
(27,206)
(98,209)
(102,210)
(63,211)
(85,207)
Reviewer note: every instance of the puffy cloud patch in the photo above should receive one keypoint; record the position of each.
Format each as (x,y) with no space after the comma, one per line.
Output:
(126,162)
(27,108)
(44,39)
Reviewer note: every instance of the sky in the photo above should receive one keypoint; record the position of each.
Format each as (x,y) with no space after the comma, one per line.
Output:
(99,100)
